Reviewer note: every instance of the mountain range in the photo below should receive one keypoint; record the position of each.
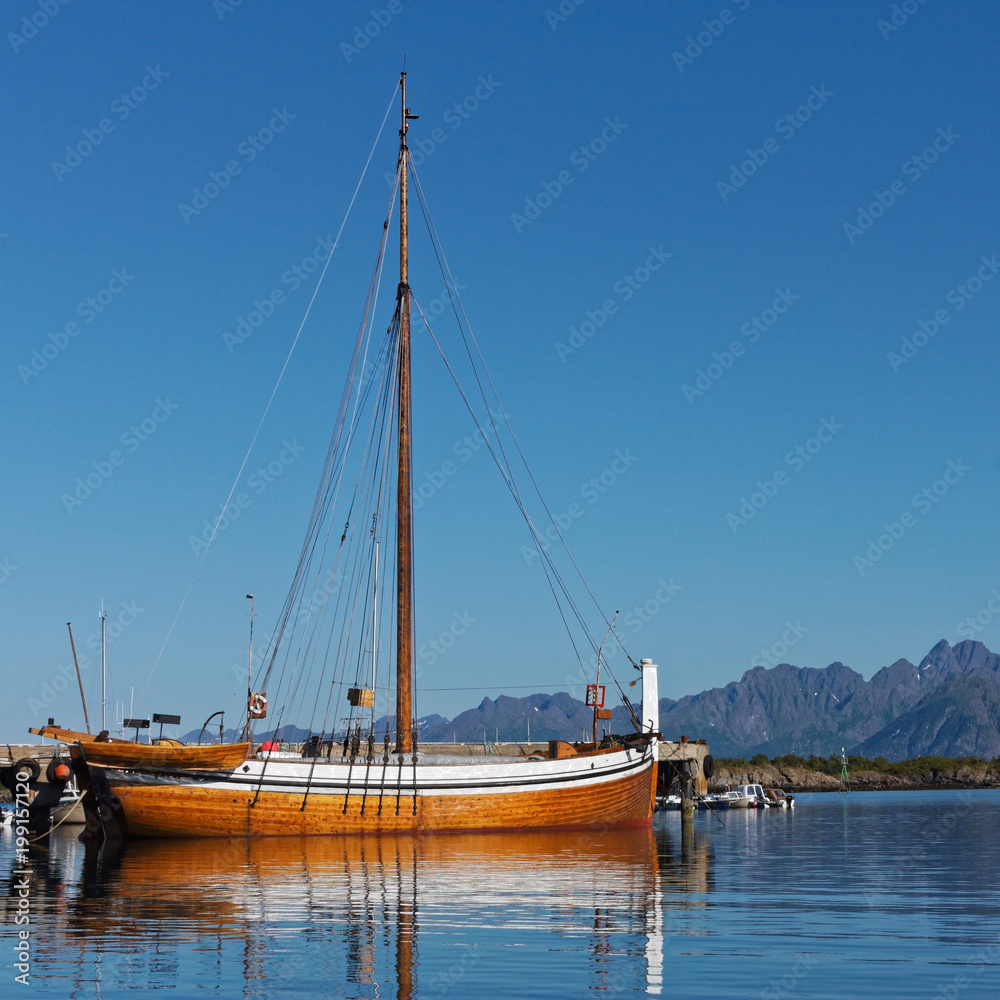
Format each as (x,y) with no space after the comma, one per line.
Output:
(947,705)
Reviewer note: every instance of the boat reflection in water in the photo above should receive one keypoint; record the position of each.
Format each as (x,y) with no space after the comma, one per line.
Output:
(392,916)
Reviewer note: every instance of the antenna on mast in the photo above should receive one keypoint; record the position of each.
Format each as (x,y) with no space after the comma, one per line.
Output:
(249,671)
(598,696)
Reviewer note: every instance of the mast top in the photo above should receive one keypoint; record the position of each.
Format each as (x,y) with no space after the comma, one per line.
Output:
(406,111)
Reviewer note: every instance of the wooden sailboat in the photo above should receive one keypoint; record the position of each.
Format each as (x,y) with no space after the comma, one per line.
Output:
(369,789)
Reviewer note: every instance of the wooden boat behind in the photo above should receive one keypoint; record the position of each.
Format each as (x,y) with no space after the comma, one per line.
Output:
(207,756)
(114,752)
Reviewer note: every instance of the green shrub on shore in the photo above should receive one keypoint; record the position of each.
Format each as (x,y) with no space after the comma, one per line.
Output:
(927,765)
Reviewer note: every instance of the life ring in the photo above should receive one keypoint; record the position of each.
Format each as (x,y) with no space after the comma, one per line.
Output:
(30,765)
(708,766)
(58,771)
(257,704)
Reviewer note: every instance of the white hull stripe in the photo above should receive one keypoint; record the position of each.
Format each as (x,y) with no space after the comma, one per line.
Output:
(389,783)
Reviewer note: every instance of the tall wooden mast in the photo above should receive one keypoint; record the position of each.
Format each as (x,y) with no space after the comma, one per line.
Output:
(404,494)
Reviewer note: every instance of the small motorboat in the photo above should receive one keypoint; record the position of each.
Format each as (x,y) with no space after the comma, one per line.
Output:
(748,797)
(776,798)
(70,807)
(668,803)
(717,800)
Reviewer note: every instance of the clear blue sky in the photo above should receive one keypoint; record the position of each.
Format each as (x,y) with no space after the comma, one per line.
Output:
(801,181)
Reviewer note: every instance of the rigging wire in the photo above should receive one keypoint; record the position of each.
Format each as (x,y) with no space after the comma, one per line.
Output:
(345,433)
(310,659)
(450,281)
(546,562)
(267,408)
(505,468)
(325,505)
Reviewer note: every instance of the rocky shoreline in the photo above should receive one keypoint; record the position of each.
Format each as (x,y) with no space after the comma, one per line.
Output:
(803,779)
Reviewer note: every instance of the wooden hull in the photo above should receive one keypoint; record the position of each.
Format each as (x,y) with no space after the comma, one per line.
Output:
(168,753)
(146,755)
(264,798)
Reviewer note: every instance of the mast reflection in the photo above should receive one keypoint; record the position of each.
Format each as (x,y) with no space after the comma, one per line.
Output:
(387,916)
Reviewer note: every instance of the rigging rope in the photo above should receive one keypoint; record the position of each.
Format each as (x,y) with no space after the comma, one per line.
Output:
(542,551)
(312,659)
(273,393)
(504,467)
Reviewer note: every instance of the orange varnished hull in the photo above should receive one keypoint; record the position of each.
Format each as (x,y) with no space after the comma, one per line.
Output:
(192,809)
(129,753)
(144,755)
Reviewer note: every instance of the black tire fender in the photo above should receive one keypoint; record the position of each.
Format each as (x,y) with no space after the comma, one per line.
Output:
(29,765)
(708,766)
(50,771)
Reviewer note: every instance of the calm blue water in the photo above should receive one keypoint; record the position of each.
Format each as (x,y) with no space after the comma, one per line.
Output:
(871,894)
